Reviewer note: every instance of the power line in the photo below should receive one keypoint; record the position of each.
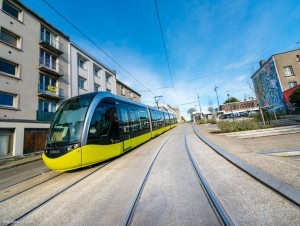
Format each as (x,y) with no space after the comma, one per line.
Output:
(95,44)
(165,48)
(200,77)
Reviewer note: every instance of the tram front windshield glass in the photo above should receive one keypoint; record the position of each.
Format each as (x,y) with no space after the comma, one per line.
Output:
(67,124)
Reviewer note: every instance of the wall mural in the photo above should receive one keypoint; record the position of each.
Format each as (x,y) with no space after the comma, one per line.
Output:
(267,87)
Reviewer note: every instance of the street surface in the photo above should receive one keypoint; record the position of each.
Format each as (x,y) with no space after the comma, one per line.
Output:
(102,194)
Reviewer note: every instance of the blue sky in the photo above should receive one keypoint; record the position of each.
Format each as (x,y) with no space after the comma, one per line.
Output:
(209,43)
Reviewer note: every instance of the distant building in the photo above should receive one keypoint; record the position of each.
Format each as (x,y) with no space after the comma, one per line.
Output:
(88,74)
(278,74)
(125,91)
(174,110)
(238,107)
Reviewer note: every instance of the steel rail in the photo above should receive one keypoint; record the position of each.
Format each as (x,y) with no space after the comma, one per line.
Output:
(276,185)
(18,193)
(215,203)
(133,206)
(18,220)
(25,180)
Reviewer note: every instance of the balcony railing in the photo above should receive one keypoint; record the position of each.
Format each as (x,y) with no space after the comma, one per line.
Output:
(44,116)
(50,42)
(51,66)
(51,91)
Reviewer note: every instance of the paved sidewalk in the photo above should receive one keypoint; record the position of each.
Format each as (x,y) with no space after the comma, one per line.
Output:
(8,163)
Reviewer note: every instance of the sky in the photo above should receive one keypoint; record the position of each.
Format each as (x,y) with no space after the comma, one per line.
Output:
(185,48)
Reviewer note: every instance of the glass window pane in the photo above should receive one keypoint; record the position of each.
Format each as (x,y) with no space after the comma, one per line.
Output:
(7,67)
(8,38)
(10,10)
(6,99)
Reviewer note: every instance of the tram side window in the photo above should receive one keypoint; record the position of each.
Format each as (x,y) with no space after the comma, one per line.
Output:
(101,122)
(167,119)
(144,119)
(160,119)
(157,119)
(123,119)
(134,120)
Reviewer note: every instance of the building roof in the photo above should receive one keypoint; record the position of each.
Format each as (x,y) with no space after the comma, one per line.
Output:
(93,58)
(270,59)
(123,84)
(24,7)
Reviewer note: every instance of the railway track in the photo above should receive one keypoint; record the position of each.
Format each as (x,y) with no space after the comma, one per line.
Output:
(41,203)
(291,194)
(119,197)
(133,205)
(220,212)
(215,203)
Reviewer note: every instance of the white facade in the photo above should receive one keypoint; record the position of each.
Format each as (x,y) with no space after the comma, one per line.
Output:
(33,77)
(87,74)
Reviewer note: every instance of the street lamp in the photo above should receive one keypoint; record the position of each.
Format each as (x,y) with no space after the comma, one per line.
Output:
(230,107)
(217,97)
(199,104)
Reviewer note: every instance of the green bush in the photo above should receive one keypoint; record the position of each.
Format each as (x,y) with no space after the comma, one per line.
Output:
(203,121)
(235,126)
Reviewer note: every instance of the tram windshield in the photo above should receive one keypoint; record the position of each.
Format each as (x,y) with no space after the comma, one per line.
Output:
(68,121)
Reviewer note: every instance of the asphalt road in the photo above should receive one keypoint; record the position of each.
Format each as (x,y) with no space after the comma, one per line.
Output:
(172,194)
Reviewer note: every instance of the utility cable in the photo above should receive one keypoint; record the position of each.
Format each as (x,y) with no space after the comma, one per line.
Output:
(95,44)
(165,48)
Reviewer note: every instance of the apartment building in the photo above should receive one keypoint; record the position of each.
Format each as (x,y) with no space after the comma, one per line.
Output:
(125,91)
(33,77)
(277,75)
(87,74)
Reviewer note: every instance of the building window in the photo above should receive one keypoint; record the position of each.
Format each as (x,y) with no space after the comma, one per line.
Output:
(7,100)
(298,58)
(47,106)
(49,38)
(81,83)
(80,63)
(131,95)
(6,141)
(96,87)
(11,10)
(292,84)
(123,92)
(48,60)
(288,71)
(107,77)
(8,68)
(47,84)
(97,71)
(10,38)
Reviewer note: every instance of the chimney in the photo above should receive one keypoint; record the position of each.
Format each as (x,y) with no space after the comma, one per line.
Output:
(261,63)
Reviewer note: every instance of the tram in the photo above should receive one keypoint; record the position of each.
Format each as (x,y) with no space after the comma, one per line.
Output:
(94,127)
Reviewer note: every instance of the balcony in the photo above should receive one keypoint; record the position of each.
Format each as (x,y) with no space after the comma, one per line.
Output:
(53,92)
(44,116)
(51,67)
(51,43)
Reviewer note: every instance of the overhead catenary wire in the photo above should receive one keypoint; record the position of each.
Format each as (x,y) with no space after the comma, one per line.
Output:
(200,77)
(165,49)
(97,46)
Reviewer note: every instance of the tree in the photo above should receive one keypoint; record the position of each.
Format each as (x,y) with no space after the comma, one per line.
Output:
(231,100)
(295,97)
(210,109)
(190,111)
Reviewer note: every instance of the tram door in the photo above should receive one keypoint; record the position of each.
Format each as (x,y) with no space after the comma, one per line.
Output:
(124,127)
